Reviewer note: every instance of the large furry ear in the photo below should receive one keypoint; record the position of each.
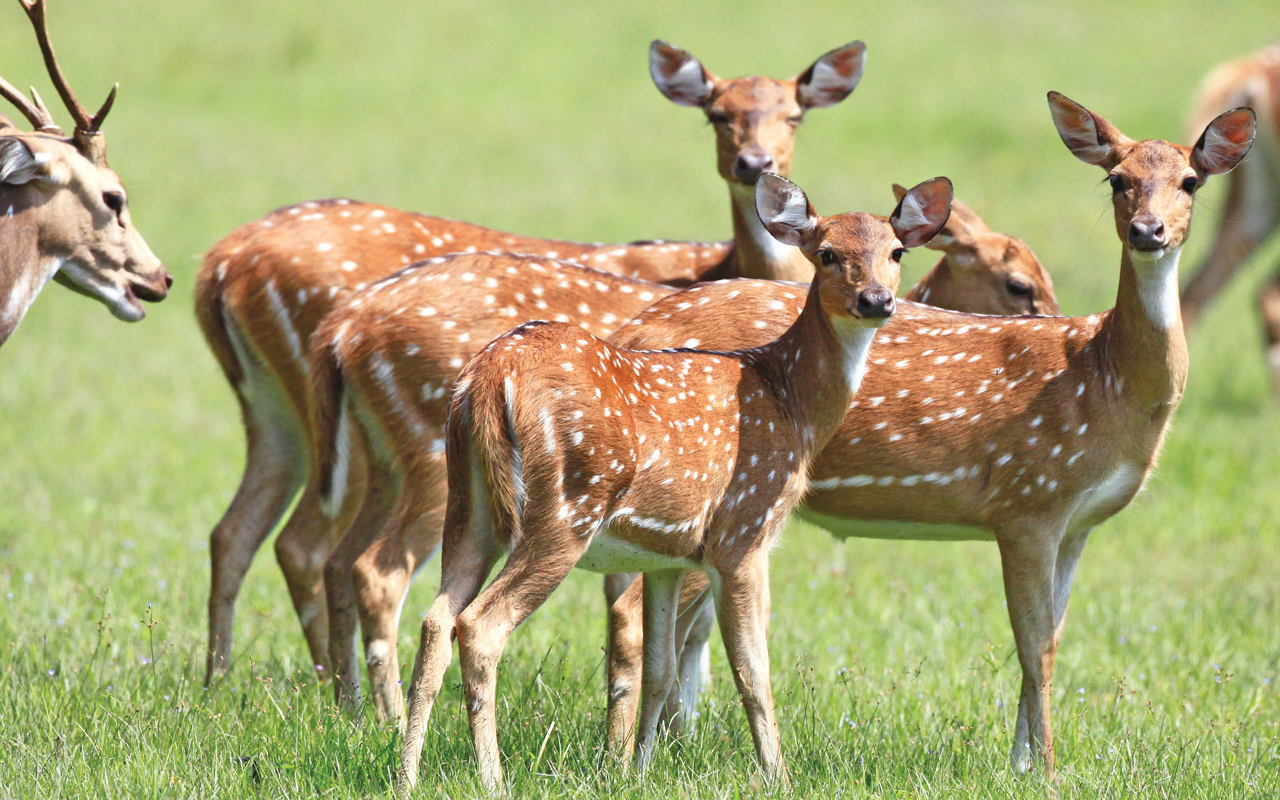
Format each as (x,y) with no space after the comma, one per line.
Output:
(19,163)
(784,210)
(922,212)
(1090,137)
(1225,142)
(679,76)
(831,78)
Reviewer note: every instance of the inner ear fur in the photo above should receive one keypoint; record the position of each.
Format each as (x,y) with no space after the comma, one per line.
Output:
(922,212)
(1089,136)
(832,77)
(1225,141)
(679,76)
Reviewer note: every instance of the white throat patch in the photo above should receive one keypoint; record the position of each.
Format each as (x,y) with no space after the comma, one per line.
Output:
(1158,285)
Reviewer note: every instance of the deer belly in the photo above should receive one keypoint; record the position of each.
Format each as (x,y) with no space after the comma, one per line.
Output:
(846,528)
(608,553)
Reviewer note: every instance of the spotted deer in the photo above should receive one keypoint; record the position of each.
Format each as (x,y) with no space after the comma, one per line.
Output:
(63,211)
(263,290)
(402,409)
(565,451)
(981,271)
(1027,431)
(1252,208)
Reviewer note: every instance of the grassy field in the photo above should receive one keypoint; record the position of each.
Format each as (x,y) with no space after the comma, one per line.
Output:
(892,663)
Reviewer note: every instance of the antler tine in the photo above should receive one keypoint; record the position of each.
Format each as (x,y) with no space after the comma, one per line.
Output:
(36,13)
(96,122)
(34,110)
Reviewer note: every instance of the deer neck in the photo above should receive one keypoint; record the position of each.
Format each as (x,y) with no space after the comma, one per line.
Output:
(757,253)
(815,367)
(23,273)
(935,287)
(1142,339)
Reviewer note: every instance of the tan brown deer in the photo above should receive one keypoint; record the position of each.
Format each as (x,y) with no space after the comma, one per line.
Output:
(1252,208)
(368,573)
(565,451)
(264,288)
(1026,431)
(63,211)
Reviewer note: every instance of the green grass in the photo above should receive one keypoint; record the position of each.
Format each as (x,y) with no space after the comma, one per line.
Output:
(892,662)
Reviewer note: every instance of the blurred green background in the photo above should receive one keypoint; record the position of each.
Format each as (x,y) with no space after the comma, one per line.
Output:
(121,444)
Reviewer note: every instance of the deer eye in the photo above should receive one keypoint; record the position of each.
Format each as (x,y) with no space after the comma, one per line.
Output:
(1117,183)
(1018,288)
(1189,185)
(898,253)
(826,257)
(717,118)
(795,121)
(114,201)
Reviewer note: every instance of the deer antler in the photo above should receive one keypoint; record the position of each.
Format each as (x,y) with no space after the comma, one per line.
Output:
(34,109)
(85,125)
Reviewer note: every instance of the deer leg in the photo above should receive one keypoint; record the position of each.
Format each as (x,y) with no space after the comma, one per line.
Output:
(741,608)
(693,635)
(1269,305)
(661,601)
(534,569)
(275,462)
(381,577)
(374,512)
(465,564)
(623,592)
(301,549)
(1251,211)
(1028,559)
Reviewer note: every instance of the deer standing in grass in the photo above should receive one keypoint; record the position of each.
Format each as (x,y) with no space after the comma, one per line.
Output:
(565,451)
(264,289)
(393,410)
(1252,208)
(1028,431)
(63,212)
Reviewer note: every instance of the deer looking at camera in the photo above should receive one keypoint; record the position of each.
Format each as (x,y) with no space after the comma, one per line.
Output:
(1252,208)
(394,414)
(1028,431)
(565,451)
(264,289)
(63,212)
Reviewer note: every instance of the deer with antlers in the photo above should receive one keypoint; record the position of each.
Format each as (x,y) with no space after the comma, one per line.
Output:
(1028,431)
(1252,208)
(63,211)
(264,289)
(391,522)
(565,451)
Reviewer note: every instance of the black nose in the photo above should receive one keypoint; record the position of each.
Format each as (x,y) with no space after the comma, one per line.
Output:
(168,281)
(875,303)
(750,164)
(1146,232)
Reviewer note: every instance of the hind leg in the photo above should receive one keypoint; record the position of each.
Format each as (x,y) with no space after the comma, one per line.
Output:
(275,463)
(381,489)
(467,559)
(381,576)
(623,654)
(696,620)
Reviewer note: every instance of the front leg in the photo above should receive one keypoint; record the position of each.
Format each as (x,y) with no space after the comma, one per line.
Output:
(623,654)
(661,599)
(1029,561)
(742,607)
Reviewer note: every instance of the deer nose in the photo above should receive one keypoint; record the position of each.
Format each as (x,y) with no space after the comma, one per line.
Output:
(1147,233)
(168,281)
(875,303)
(750,164)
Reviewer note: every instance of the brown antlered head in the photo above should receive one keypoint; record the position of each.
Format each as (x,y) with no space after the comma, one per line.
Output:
(755,118)
(78,200)
(1153,182)
(857,257)
(990,272)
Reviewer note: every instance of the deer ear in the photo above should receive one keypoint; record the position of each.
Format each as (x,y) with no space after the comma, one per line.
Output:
(784,209)
(20,163)
(1090,137)
(922,212)
(1225,141)
(679,76)
(831,78)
